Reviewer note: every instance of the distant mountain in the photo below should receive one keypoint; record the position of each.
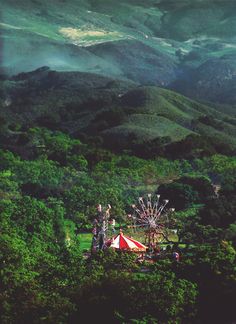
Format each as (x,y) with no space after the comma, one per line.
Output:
(214,80)
(186,45)
(118,111)
(138,61)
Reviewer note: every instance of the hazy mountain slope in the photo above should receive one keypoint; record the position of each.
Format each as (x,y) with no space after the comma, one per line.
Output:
(214,80)
(27,24)
(138,61)
(165,43)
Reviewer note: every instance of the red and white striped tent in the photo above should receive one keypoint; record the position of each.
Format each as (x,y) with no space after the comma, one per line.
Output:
(122,242)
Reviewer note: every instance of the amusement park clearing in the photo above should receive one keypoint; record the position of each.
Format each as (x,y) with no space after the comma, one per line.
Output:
(85,239)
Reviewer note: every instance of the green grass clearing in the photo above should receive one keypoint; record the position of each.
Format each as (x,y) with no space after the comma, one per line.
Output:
(85,240)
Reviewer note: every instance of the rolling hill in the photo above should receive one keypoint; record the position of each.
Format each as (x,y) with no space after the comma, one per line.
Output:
(93,105)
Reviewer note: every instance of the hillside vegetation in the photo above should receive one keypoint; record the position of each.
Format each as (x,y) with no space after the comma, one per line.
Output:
(49,192)
(119,112)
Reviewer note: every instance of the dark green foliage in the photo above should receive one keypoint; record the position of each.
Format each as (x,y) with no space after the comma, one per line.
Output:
(202,185)
(147,120)
(180,195)
(114,291)
(159,295)
(230,233)
(152,148)
(32,262)
(209,120)
(43,274)
(112,118)
(186,191)
(219,212)
(49,193)
(213,269)
(191,146)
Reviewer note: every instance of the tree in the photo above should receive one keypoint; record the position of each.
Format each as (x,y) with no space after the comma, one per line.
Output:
(212,268)
(181,196)
(218,212)
(134,296)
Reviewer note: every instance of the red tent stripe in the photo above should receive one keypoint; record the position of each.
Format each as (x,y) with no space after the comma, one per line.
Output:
(140,245)
(123,244)
(133,244)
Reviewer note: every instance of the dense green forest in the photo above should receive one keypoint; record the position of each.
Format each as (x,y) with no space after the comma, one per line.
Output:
(49,191)
(72,140)
(103,102)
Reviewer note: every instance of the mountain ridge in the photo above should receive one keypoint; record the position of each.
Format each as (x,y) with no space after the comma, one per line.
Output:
(83,103)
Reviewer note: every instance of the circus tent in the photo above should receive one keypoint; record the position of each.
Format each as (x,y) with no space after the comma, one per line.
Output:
(122,242)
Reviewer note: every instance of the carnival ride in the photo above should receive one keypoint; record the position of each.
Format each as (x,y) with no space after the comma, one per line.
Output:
(101,228)
(151,221)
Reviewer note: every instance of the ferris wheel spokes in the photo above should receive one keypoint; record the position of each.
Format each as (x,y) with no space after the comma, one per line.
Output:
(152,216)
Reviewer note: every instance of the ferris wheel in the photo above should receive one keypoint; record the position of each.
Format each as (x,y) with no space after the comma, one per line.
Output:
(152,217)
